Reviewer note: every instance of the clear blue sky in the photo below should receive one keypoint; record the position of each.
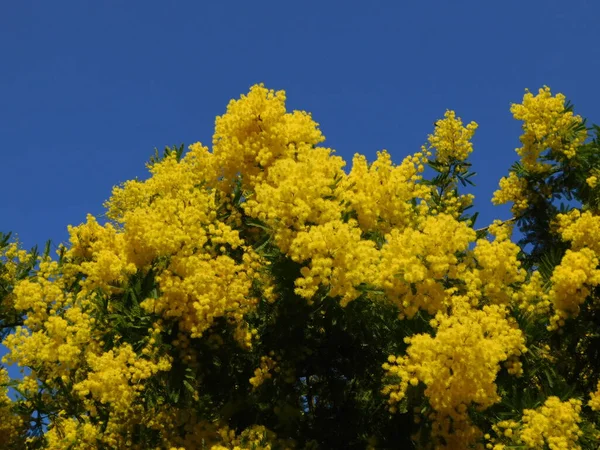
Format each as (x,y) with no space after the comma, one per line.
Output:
(89,89)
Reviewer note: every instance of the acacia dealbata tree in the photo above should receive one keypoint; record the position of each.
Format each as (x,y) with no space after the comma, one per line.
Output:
(258,295)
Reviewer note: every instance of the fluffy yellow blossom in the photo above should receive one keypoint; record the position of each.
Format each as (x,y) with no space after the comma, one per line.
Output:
(414,263)
(73,434)
(452,204)
(263,373)
(298,192)
(169,178)
(555,424)
(11,257)
(11,424)
(581,229)
(572,281)
(117,377)
(495,270)
(173,215)
(174,225)
(256,131)
(546,125)
(104,262)
(451,140)
(382,194)
(458,368)
(59,344)
(594,402)
(197,289)
(533,297)
(255,437)
(512,189)
(501,230)
(40,296)
(339,259)
(459,364)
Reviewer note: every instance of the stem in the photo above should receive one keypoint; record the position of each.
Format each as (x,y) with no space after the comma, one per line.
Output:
(501,223)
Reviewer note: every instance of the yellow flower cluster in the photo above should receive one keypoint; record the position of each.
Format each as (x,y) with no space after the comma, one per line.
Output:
(215,435)
(117,377)
(451,140)
(546,125)
(256,131)
(11,257)
(416,261)
(169,178)
(533,296)
(554,425)
(11,425)
(72,434)
(581,229)
(339,259)
(574,278)
(459,365)
(13,261)
(594,402)
(297,193)
(197,289)
(512,189)
(58,345)
(102,255)
(572,281)
(242,334)
(255,437)
(174,215)
(41,296)
(381,194)
(453,204)
(505,430)
(263,373)
(495,270)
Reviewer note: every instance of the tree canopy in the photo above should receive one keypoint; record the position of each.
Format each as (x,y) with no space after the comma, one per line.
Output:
(258,295)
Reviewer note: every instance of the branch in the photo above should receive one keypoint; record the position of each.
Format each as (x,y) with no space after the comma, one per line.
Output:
(512,219)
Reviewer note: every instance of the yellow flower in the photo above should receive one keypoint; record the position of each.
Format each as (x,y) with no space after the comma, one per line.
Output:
(458,366)
(555,424)
(594,402)
(450,139)
(263,373)
(382,194)
(546,125)
(572,281)
(512,189)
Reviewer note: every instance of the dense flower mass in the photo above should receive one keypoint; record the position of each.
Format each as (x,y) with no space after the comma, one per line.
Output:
(416,262)
(547,124)
(11,425)
(512,189)
(260,295)
(594,402)
(459,364)
(451,139)
(382,194)
(554,425)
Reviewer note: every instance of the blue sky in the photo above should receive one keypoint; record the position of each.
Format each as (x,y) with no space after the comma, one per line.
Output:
(89,89)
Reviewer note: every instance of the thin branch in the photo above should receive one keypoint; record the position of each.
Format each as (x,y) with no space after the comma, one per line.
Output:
(512,219)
